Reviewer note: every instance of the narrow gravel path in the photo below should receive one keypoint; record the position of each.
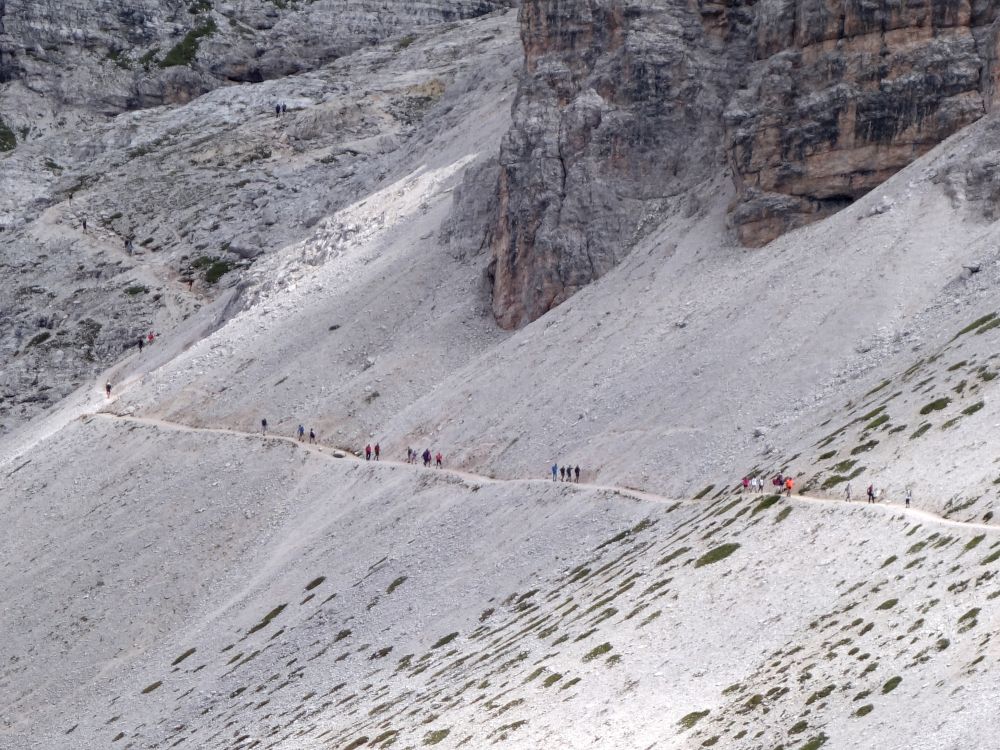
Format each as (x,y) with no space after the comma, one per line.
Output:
(337,453)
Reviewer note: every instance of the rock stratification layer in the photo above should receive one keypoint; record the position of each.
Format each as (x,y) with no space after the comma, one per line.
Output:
(625,108)
(846,94)
(618,111)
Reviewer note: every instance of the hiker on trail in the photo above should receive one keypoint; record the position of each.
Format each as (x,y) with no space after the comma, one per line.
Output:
(129,247)
(263,427)
(368,453)
(746,484)
(789,483)
(409,454)
(562,473)
(847,492)
(107,389)
(427,457)
(555,470)
(284,108)
(438,459)
(302,433)
(577,470)
(277,110)
(871,493)
(312,435)
(83,223)
(142,343)
(150,338)
(378,451)
(909,496)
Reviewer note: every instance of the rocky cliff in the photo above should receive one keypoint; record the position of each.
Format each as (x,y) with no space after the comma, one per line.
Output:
(63,59)
(845,94)
(626,107)
(617,116)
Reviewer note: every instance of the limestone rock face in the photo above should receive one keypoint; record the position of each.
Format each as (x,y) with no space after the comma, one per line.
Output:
(624,108)
(108,56)
(618,112)
(844,94)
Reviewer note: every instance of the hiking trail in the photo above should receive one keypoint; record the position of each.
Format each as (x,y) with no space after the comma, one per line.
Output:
(335,453)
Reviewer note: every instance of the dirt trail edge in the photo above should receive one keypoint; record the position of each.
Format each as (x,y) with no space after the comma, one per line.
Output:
(339,454)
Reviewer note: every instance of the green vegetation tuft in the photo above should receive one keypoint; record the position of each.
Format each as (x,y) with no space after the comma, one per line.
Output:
(150,688)
(185,50)
(815,743)
(395,584)
(864,710)
(764,504)
(920,430)
(719,553)
(432,738)
(8,141)
(864,447)
(704,492)
(975,324)
(891,684)
(974,408)
(444,641)
(267,619)
(597,651)
(935,405)
(182,657)
(888,604)
(689,720)
(783,514)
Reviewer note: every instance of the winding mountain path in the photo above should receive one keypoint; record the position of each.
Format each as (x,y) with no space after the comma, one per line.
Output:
(340,454)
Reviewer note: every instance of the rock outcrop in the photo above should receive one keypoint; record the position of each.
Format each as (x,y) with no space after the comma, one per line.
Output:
(844,95)
(618,111)
(59,56)
(624,108)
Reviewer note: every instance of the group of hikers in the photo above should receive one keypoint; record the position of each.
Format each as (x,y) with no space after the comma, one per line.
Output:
(371,452)
(412,455)
(786,484)
(780,482)
(565,473)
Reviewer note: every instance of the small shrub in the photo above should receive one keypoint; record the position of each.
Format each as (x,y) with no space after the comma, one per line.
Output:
(395,584)
(267,619)
(888,604)
(8,141)
(783,514)
(815,743)
(864,447)
(135,290)
(689,720)
(764,504)
(975,324)
(935,405)
(864,710)
(719,553)
(444,641)
(39,339)
(432,738)
(891,684)
(825,456)
(150,688)
(973,408)
(185,50)
(597,651)
(704,492)
(920,430)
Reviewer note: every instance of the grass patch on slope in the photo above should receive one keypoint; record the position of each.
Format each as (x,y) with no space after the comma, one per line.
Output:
(715,555)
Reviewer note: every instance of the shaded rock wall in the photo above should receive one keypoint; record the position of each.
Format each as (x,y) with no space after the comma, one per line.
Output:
(626,106)
(847,93)
(618,111)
